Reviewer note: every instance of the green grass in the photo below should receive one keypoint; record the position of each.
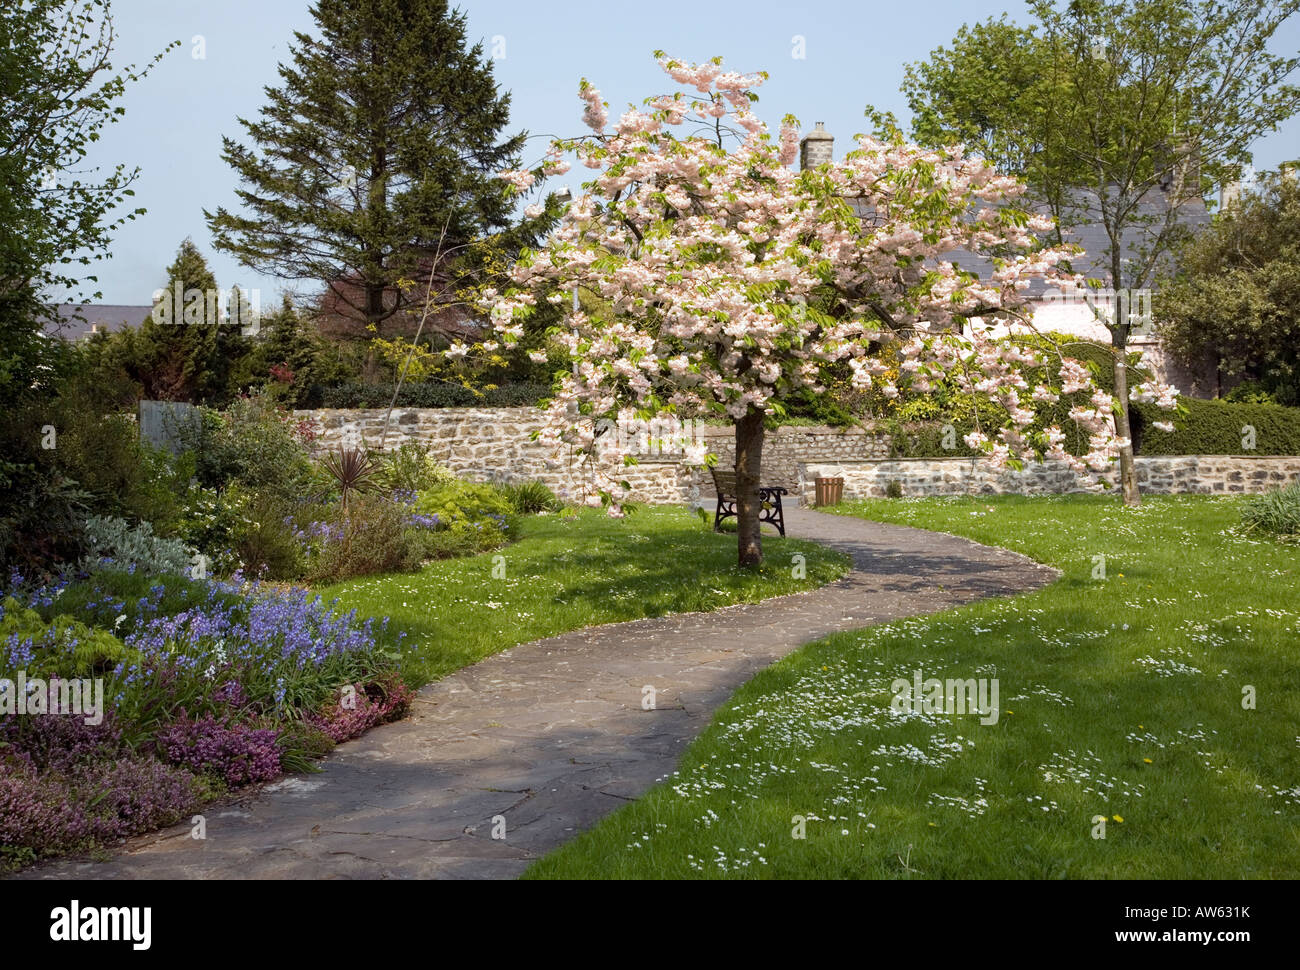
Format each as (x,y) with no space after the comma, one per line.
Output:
(566,573)
(1119,697)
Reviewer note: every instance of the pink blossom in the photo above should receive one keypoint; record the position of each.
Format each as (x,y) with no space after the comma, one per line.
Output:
(711,259)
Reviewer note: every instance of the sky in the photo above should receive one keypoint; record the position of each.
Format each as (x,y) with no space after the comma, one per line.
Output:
(853,55)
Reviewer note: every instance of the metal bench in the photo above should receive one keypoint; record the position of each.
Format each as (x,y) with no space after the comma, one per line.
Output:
(769,497)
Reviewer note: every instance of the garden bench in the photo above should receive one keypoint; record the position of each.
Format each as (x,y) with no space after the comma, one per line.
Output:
(769,496)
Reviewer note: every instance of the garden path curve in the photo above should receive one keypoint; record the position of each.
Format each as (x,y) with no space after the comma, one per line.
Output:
(551,735)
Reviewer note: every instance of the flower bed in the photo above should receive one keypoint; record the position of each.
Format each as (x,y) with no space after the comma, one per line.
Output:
(203,687)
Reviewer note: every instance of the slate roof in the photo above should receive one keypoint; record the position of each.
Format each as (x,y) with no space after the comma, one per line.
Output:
(94,316)
(1092,238)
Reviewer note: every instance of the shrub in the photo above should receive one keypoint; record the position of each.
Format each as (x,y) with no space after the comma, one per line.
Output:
(412,468)
(210,520)
(113,540)
(1218,428)
(264,542)
(351,471)
(62,646)
(818,408)
(66,785)
(529,498)
(429,544)
(1277,512)
(239,754)
(42,518)
(125,476)
(460,503)
(258,445)
(372,539)
(1251,392)
(45,813)
(364,707)
(253,532)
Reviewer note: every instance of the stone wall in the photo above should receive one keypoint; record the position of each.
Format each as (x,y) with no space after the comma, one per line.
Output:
(495,444)
(1199,474)
(487,444)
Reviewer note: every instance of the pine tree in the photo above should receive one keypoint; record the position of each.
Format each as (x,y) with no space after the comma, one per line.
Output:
(291,356)
(379,150)
(186,348)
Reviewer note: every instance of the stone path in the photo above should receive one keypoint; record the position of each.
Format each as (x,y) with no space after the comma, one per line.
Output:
(551,734)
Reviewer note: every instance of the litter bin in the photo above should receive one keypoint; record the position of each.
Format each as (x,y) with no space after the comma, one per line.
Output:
(829,491)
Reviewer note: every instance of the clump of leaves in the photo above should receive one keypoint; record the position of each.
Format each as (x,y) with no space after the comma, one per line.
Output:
(1277,512)
(411,467)
(353,471)
(529,498)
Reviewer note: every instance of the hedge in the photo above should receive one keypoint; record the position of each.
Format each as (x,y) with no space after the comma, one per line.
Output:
(425,395)
(1218,428)
(1208,428)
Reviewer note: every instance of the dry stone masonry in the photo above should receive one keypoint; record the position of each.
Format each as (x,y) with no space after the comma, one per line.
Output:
(496,444)
(1197,474)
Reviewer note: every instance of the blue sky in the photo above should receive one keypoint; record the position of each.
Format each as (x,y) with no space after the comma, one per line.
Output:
(855,53)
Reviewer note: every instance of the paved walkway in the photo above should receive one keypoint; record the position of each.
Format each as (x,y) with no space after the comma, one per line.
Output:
(551,734)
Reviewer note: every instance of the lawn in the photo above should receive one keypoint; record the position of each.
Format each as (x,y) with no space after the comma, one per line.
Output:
(1124,693)
(569,572)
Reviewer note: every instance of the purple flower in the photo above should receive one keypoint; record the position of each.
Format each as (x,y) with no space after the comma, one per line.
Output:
(237,753)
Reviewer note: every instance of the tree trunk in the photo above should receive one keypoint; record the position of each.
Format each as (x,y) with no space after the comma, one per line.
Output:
(1127,470)
(375,305)
(749,465)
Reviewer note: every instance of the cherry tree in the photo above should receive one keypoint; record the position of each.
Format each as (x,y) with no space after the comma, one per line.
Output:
(726,281)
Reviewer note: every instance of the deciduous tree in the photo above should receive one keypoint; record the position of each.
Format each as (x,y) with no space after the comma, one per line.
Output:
(732,282)
(1117,113)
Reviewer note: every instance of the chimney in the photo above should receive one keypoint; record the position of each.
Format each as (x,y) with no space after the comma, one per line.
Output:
(1229,195)
(1187,172)
(817,147)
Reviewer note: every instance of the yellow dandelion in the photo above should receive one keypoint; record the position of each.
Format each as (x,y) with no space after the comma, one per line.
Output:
(1148,760)
(1118,818)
